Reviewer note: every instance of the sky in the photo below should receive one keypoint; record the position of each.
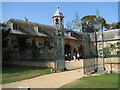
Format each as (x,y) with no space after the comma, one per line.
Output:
(42,12)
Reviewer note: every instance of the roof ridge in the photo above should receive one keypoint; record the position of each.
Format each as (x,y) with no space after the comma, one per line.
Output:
(29,22)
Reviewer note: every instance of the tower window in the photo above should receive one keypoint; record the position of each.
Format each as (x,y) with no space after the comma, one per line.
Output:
(57,20)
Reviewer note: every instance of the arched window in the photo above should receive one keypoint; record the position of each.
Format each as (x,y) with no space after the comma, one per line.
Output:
(57,20)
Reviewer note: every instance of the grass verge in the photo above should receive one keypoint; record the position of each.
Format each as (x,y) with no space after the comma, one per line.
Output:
(18,73)
(103,81)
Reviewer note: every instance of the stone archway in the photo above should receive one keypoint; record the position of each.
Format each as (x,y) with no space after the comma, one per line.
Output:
(67,49)
(80,51)
(75,51)
(67,52)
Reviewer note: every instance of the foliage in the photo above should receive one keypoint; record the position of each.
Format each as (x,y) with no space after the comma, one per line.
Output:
(115,55)
(118,25)
(112,47)
(108,49)
(103,81)
(76,23)
(92,23)
(17,73)
(93,16)
(113,26)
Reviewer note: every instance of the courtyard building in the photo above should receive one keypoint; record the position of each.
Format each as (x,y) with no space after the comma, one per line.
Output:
(30,41)
(111,41)
(24,40)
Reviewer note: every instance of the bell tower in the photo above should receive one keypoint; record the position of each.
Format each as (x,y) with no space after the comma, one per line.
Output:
(59,40)
(58,19)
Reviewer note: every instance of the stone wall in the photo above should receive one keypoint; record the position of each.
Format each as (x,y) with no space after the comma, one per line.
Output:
(50,64)
(112,67)
(111,64)
(110,60)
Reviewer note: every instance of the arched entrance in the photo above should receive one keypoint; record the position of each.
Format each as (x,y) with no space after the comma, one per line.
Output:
(67,49)
(80,51)
(67,52)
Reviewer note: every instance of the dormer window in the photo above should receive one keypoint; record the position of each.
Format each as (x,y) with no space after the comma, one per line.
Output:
(15,27)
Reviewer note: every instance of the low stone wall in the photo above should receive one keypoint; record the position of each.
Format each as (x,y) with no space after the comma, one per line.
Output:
(109,60)
(112,67)
(50,64)
(111,64)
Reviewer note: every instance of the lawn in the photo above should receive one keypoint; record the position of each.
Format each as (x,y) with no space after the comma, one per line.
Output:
(103,81)
(17,73)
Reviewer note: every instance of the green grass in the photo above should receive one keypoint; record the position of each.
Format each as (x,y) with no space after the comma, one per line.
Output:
(103,81)
(17,73)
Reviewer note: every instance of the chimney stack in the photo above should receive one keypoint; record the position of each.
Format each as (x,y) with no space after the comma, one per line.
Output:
(25,19)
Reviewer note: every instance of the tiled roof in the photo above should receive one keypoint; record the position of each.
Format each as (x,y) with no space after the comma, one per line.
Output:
(36,29)
(107,35)
(28,28)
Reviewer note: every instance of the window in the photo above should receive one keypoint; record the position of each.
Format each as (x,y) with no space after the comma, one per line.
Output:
(15,26)
(41,44)
(118,43)
(108,44)
(57,20)
(100,45)
(51,44)
(14,42)
(118,52)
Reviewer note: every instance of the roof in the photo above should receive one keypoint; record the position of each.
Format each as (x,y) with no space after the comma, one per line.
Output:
(58,13)
(35,29)
(107,35)
(31,28)
(69,34)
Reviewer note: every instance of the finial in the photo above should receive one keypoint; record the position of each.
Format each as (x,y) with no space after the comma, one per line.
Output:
(57,6)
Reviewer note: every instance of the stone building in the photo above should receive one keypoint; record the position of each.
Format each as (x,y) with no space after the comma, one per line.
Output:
(110,37)
(29,41)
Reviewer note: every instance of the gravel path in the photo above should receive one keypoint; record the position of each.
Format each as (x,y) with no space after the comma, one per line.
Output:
(54,80)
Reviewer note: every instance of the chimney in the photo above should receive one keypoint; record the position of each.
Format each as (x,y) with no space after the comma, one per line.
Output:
(25,19)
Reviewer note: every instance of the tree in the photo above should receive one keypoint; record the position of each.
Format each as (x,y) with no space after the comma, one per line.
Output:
(69,25)
(107,26)
(112,47)
(113,26)
(74,24)
(118,25)
(91,23)
(108,49)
